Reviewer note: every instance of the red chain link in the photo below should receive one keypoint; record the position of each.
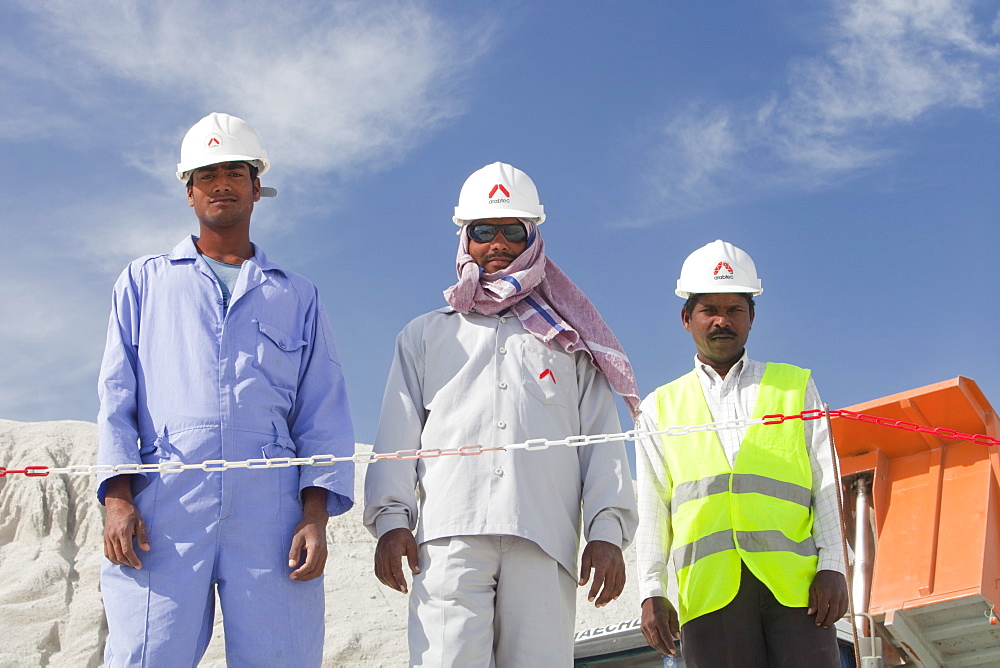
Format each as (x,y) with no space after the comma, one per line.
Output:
(811,414)
(30,471)
(941,432)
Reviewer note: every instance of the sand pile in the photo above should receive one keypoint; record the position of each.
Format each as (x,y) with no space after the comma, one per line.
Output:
(51,550)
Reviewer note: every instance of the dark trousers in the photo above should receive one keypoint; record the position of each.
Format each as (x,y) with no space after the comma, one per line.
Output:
(755,631)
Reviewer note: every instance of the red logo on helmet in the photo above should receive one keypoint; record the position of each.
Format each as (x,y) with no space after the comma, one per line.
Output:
(720,266)
(499,187)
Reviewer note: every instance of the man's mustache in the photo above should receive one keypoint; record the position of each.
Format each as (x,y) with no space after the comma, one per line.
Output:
(721,331)
(489,257)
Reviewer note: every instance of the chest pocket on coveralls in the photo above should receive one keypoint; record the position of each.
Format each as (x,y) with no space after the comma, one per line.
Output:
(279,356)
(548,374)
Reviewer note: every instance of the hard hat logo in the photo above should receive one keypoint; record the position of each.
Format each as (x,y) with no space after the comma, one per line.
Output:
(720,266)
(499,200)
(213,141)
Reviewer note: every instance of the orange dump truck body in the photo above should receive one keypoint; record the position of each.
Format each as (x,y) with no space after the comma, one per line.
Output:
(936,511)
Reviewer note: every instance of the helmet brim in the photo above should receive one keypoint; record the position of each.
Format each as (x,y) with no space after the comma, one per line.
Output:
(735,289)
(500,213)
(184,169)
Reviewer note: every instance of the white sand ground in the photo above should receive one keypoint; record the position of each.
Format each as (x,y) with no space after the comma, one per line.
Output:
(50,556)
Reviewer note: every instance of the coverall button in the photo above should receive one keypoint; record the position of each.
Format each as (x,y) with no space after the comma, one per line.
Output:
(503,385)
(503,320)
(502,424)
(498,471)
(503,351)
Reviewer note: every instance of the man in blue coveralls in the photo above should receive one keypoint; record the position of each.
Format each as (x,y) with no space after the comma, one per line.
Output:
(214,352)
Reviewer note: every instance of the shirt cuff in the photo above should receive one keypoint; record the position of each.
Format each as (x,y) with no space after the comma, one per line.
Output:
(609,530)
(139,482)
(831,560)
(651,587)
(339,496)
(386,522)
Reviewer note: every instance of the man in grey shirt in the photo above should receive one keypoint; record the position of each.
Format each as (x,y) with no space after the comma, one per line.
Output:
(520,353)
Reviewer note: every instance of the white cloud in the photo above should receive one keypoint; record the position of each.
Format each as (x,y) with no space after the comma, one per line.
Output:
(887,64)
(110,234)
(706,142)
(328,86)
(25,112)
(891,60)
(104,88)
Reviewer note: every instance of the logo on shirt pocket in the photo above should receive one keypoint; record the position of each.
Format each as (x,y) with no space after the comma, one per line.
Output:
(279,356)
(546,373)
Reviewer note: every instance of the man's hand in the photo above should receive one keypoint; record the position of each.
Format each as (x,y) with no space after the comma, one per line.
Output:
(389,558)
(122,523)
(660,625)
(609,570)
(310,537)
(827,597)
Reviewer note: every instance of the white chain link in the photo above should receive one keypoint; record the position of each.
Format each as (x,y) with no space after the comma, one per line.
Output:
(372,457)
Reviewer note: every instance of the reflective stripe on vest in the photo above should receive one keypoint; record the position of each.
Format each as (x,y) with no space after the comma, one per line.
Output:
(759,511)
(743,483)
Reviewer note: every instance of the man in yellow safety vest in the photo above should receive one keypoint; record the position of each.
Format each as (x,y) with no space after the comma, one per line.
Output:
(748,515)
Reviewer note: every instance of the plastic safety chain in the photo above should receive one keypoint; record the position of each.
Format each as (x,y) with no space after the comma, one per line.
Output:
(472,450)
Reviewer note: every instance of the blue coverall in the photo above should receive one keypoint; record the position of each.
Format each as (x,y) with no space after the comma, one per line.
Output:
(183,380)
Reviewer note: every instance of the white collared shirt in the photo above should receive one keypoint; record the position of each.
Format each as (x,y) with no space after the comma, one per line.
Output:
(732,397)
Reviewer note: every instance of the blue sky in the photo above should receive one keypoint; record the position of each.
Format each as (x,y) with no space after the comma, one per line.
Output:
(851,147)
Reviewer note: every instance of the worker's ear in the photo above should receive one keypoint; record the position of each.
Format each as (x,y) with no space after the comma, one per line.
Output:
(686,318)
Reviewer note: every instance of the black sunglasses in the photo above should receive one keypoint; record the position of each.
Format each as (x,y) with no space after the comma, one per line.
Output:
(484,232)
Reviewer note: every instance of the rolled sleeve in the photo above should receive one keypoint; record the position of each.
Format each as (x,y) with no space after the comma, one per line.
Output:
(320,422)
(117,422)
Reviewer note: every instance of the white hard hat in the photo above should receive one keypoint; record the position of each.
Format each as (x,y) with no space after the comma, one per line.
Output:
(718,267)
(220,138)
(498,191)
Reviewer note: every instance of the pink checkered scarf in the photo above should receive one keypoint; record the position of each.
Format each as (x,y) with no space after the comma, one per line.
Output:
(547,303)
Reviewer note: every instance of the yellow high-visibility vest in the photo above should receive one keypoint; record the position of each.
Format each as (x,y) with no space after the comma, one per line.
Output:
(759,510)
